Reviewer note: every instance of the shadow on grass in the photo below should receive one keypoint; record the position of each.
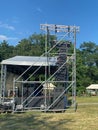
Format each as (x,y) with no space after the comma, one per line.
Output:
(32,121)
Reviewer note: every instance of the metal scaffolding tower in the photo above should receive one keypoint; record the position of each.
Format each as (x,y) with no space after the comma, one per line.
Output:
(63,49)
(65,75)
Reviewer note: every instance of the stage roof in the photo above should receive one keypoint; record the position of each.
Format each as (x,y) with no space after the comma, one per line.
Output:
(30,60)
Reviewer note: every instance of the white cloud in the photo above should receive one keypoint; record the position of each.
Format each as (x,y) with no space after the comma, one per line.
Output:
(3,37)
(6,26)
(39,9)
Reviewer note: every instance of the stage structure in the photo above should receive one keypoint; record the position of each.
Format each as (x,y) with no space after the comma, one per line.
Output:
(49,92)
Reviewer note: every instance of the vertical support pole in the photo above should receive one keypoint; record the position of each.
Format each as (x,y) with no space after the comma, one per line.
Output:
(46,69)
(74,76)
(22,95)
(13,95)
(48,56)
(3,81)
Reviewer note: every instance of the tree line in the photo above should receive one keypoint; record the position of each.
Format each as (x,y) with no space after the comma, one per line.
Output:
(86,57)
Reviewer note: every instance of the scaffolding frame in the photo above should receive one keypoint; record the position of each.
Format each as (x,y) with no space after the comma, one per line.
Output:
(68,32)
(61,32)
(3,81)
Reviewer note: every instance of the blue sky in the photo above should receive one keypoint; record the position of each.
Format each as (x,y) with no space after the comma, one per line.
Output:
(21,18)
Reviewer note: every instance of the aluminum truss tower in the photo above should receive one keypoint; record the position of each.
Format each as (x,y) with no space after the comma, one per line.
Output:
(63,48)
(65,75)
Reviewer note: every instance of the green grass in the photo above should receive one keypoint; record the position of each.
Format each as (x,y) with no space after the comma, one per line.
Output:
(92,99)
(85,118)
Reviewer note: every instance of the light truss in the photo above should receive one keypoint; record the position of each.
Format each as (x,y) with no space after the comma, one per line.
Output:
(59,28)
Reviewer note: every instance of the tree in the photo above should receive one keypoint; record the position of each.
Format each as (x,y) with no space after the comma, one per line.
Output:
(6,50)
(86,56)
(87,67)
(39,41)
(24,48)
(88,52)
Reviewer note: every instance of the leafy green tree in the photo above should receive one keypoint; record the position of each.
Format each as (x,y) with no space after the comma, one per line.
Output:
(88,52)
(6,50)
(39,41)
(87,67)
(86,56)
(24,48)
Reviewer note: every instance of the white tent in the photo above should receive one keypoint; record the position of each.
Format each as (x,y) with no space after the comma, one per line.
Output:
(93,86)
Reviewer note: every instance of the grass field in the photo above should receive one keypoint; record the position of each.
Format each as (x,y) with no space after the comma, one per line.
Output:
(85,118)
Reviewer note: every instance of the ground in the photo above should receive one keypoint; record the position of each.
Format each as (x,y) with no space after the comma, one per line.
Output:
(86,117)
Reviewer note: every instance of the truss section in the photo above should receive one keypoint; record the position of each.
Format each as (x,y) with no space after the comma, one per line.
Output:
(64,77)
(50,93)
(3,80)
